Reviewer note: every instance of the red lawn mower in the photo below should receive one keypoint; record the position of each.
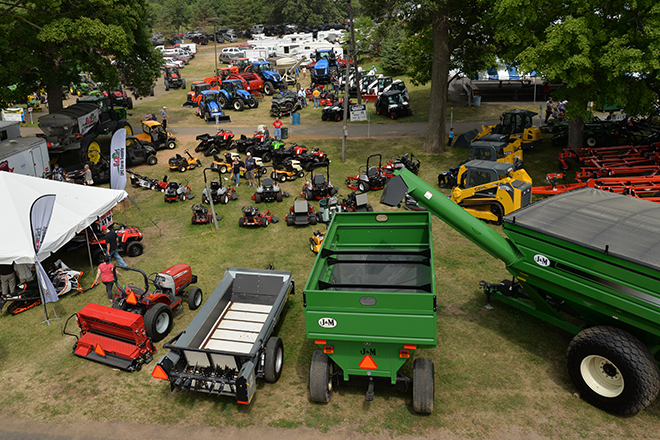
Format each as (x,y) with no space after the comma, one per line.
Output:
(370,178)
(202,216)
(319,187)
(157,305)
(252,217)
(301,214)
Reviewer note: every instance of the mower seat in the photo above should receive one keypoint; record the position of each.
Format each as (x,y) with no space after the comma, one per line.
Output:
(215,185)
(372,172)
(319,180)
(300,207)
(268,182)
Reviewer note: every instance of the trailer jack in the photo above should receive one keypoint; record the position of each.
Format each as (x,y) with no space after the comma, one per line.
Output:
(370,390)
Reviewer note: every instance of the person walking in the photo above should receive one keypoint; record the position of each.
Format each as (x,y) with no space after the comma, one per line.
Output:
(8,279)
(164,117)
(107,275)
(450,136)
(111,248)
(236,171)
(316,95)
(302,99)
(304,72)
(277,125)
(548,109)
(249,169)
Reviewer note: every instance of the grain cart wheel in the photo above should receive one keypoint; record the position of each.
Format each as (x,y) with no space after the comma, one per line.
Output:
(195,298)
(134,249)
(613,370)
(423,386)
(320,377)
(274,359)
(158,321)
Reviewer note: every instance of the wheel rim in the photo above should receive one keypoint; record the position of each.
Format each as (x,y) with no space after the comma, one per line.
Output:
(198,299)
(94,152)
(129,129)
(602,376)
(279,360)
(162,323)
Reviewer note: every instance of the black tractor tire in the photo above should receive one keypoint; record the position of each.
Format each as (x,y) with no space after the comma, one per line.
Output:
(238,105)
(90,150)
(289,220)
(223,169)
(183,168)
(266,157)
(195,298)
(312,219)
(394,115)
(288,106)
(224,200)
(98,255)
(171,145)
(320,377)
(167,85)
(134,249)
(129,104)
(223,101)
(274,359)
(301,174)
(183,83)
(324,117)
(613,370)
(253,103)
(207,116)
(363,187)
(282,177)
(307,194)
(264,222)
(257,198)
(152,160)
(278,196)
(158,321)
(269,88)
(423,386)
(125,125)
(241,221)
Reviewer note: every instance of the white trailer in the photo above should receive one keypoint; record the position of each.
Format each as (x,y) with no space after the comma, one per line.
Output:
(28,156)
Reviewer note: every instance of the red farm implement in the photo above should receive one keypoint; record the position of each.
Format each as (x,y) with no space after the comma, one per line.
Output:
(112,337)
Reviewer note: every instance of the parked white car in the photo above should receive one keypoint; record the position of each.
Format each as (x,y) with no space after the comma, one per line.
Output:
(170,60)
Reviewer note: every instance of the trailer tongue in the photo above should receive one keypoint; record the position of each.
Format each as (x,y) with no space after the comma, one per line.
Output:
(587,261)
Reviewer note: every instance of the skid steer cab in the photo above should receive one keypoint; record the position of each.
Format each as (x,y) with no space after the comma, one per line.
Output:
(169,289)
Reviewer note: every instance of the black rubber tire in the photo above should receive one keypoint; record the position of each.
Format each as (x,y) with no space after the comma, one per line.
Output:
(324,117)
(171,145)
(167,86)
(282,177)
(312,219)
(266,157)
(223,101)
(423,386)
(253,103)
(238,105)
(598,356)
(257,198)
(183,168)
(307,194)
(264,222)
(130,104)
(195,298)
(224,200)
(278,196)
(158,321)
(152,160)
(97,256)
(241,221)
(269,89)
(497,209)
(134,249)
(183,83)
(223,169)
(320,377)
(274,359)
(363,186)
(289,220)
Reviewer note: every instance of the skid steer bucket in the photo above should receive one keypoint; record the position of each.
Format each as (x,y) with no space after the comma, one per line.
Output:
(113,337)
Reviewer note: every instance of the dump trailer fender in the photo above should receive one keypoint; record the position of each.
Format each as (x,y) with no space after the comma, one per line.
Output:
(405,182)
(246,384)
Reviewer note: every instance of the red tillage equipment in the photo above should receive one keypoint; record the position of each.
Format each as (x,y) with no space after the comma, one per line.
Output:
(112,337)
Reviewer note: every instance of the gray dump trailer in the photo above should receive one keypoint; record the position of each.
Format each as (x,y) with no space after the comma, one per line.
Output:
(229,344)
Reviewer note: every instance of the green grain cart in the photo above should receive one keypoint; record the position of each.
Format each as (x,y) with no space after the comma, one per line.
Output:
(370,303)
(587,261)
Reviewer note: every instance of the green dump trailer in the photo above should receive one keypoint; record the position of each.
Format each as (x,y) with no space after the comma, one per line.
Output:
(370,303)
(587,261)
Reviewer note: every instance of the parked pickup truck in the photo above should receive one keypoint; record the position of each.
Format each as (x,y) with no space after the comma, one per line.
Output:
(230,342)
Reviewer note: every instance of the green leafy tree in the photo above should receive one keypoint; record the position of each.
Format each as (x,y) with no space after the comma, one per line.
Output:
(441,32)
(597,49)
(392,59)
(48,42)
(306,12)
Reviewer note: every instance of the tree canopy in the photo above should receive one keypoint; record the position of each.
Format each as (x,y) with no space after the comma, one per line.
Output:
(46,43)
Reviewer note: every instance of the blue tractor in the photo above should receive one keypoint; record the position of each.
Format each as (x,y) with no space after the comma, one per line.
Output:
(325,67)
(210,108)
(232,95)
(272,80)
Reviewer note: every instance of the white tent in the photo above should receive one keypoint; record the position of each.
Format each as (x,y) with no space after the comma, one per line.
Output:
(76,207)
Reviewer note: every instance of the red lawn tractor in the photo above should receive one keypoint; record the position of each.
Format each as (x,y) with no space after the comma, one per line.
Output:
(370,178)
(169,290)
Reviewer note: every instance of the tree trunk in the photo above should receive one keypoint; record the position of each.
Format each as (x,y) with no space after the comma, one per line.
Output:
(435,136)
(575,132)
(55,97)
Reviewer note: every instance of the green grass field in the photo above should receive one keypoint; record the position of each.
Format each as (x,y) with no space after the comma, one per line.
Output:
(498,373)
